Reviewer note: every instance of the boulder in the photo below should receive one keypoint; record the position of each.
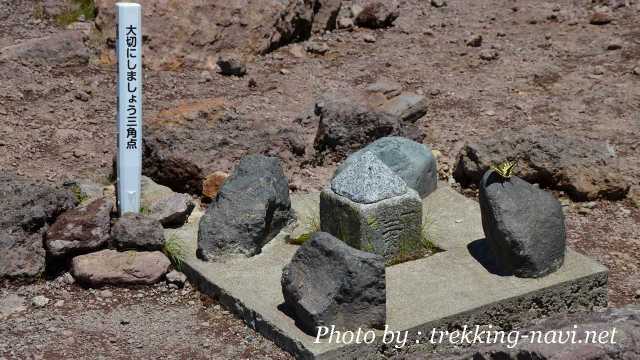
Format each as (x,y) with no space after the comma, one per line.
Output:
(81,230)
(524,226)
(137,231)
(348,124)
(330,283)
(371,208)
(161,203)
(111,267)
(623,344)
(585,169)
(190,140)
(377,13)
(65,48)
(251,28)
(412,161)
(27,208)
(251,208)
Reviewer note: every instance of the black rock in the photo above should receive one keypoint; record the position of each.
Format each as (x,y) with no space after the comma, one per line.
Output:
(231,65)
(27,208)
(330,283)
(137,231)
(345,125)
(250,209)
(523,224)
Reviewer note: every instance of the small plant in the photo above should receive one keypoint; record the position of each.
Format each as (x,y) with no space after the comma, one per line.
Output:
(412,249)
(175,250)
(144,210)
(310,222)
(78,193)
(79,8)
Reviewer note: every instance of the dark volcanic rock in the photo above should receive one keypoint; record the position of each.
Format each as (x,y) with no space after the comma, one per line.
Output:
(377,14)
(249,210)
(523,224)
(137,231)
(185,143)
(585,169)
(626,339)
(231,65)
(330,283)
(27,207)
(412,161)
(80,230)
(345,125)
(119,268)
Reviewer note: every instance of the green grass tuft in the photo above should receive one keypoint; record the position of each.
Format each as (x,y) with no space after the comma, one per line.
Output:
(175,250)
(309,222)
(86,8)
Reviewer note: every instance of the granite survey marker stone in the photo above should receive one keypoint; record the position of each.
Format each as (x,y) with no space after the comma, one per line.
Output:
(367,180)
(370,208)
(523,224)
(250,209)
(412,161)
(330,283)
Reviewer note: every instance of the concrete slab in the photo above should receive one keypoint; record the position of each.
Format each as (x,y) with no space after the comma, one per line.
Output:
(444,291)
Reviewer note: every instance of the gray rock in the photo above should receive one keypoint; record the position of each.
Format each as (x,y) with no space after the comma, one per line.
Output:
(231,65)
(163,204)
(11,304)
(585,169)
(119,268)
(329,283)
(388,88)
(408,107)
(524,226)
(27,207)
(345,124)
(249,210)
(176,278)
(377,13)
(438,3)
(81,230)
(137,231)
(391,228)
(65,48)
(412,161)
(40,301)
(367,180)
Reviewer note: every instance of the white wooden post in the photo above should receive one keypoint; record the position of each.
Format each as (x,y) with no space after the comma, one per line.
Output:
(129,53)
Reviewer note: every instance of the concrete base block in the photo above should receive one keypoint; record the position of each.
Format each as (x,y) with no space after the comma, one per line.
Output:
(443,291)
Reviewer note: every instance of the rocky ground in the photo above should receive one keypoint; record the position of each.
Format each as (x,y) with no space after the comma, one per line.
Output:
(564,68)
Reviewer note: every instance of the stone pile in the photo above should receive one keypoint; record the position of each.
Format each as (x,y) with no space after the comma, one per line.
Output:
(43,224)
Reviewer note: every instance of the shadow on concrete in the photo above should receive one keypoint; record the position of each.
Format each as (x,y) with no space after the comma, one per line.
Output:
(480,251)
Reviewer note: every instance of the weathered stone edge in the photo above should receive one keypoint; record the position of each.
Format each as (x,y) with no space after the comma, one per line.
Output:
(515,311)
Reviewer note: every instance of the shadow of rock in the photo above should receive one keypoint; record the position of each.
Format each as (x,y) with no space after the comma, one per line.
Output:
(480,251)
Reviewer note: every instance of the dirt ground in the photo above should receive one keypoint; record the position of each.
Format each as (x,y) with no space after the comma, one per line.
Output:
(554,70)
